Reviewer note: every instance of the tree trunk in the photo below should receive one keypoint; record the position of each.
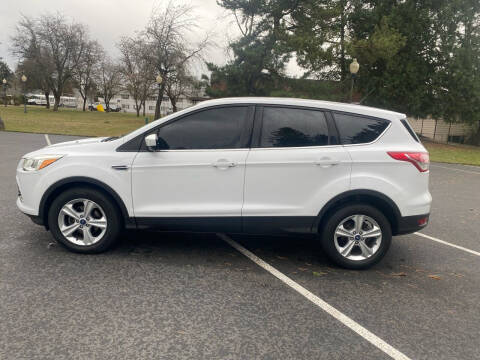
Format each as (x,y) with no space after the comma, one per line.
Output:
(476,136)
(47,98)
(174,104)
(161,90)
(143,108)
(84,102)
(57,102)
(137,108)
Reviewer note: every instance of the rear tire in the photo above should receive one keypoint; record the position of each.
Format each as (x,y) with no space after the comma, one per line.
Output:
(356,236)
(84,220)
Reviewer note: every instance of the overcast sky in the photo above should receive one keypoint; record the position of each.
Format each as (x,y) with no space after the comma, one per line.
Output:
(108,20)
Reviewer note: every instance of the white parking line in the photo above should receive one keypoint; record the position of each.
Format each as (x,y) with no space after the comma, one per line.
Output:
(455,169)
(447,243)
(344,319)
(47,139)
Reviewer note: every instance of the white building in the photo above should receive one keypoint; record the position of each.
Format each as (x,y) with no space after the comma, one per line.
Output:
(127,103)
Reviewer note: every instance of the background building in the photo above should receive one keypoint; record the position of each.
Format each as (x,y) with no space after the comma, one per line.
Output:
(127,103)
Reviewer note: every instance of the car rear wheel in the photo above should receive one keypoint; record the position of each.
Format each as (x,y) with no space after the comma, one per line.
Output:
(84,220)
(356,236)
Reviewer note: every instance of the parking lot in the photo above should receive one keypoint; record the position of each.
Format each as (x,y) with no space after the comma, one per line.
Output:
(179,295)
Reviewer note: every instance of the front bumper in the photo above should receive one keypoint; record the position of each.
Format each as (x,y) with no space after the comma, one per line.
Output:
(410,224)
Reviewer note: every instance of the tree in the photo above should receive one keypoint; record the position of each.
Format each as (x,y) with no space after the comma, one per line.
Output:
(35,62)
(109,80)
(394,43)
(178,84)
(87,68)
(319,35)
(54,45)
(458,63)
(169,47)
(261,53)
(136,69)
(5,72)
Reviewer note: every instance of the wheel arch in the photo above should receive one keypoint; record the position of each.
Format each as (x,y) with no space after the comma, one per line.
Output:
(371,197)
(70,182)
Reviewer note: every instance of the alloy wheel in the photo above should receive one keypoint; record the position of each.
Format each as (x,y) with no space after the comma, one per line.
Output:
(82,222)
(357,237)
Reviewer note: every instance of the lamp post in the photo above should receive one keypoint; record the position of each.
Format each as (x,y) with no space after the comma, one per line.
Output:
(354,67)
(4,82)
(24,80)
(159,81)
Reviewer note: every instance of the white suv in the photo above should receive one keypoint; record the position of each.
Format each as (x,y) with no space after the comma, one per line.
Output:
(351,174)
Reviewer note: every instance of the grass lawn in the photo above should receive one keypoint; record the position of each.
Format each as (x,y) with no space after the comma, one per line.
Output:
(69,121)
(455,154)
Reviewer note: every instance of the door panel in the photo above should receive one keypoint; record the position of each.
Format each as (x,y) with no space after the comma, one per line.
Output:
(188,183)
(294,181)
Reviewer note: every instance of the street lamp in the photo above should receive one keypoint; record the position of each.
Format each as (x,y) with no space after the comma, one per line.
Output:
(4,82)
(354,67)
(24,80)
(159,80)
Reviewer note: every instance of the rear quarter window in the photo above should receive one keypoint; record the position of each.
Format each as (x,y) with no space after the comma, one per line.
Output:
(410,130)
(356,129)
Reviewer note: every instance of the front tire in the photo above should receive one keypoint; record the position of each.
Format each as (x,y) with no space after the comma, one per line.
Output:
(84,220)
(356,236)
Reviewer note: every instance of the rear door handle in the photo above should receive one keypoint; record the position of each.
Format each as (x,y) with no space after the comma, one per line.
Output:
(326,162)
(224,164)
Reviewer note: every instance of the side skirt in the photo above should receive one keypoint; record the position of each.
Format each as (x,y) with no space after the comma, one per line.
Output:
(261,225)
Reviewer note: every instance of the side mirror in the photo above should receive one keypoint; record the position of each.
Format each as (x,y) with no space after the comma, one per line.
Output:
(151,141)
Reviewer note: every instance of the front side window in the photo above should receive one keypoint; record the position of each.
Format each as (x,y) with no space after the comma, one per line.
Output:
(355,129)
(288,127)
(219,128)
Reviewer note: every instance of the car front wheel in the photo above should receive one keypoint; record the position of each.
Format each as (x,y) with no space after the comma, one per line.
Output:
(84,220)
(356,236)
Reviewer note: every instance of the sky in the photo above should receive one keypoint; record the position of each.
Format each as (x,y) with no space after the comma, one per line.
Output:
(109,20)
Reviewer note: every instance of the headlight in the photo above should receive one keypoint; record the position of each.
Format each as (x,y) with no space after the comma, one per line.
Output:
(39,162)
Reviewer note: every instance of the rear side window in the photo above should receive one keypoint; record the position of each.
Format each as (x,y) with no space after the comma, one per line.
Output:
(356,129)
(410,130)
(219,128)
(287,127)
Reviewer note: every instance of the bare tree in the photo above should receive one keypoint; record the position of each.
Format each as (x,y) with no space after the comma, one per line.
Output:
(166,36)
(137,70)
(87,68)
(178,83)
(109,80)
(55,45)
(35,62)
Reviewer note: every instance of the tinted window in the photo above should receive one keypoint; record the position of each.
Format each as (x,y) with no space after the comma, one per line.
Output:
(285,127)
(219,128)
(357,129)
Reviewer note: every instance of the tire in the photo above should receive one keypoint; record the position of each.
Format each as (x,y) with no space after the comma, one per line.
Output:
(364,252)
(93,231)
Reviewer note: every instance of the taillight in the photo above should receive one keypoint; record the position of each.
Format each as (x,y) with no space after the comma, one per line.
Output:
(421,160)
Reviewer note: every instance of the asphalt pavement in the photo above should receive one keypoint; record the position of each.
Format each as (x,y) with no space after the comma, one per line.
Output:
(180,295)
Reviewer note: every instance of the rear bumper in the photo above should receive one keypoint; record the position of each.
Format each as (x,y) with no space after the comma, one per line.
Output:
(410,224)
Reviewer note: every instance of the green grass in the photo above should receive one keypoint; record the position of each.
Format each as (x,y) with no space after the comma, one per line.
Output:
(455,154)
(69,121)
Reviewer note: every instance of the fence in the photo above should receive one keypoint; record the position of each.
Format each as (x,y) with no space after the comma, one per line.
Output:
(441,131)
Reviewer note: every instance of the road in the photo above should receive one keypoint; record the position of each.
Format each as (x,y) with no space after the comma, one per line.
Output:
(177,296)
